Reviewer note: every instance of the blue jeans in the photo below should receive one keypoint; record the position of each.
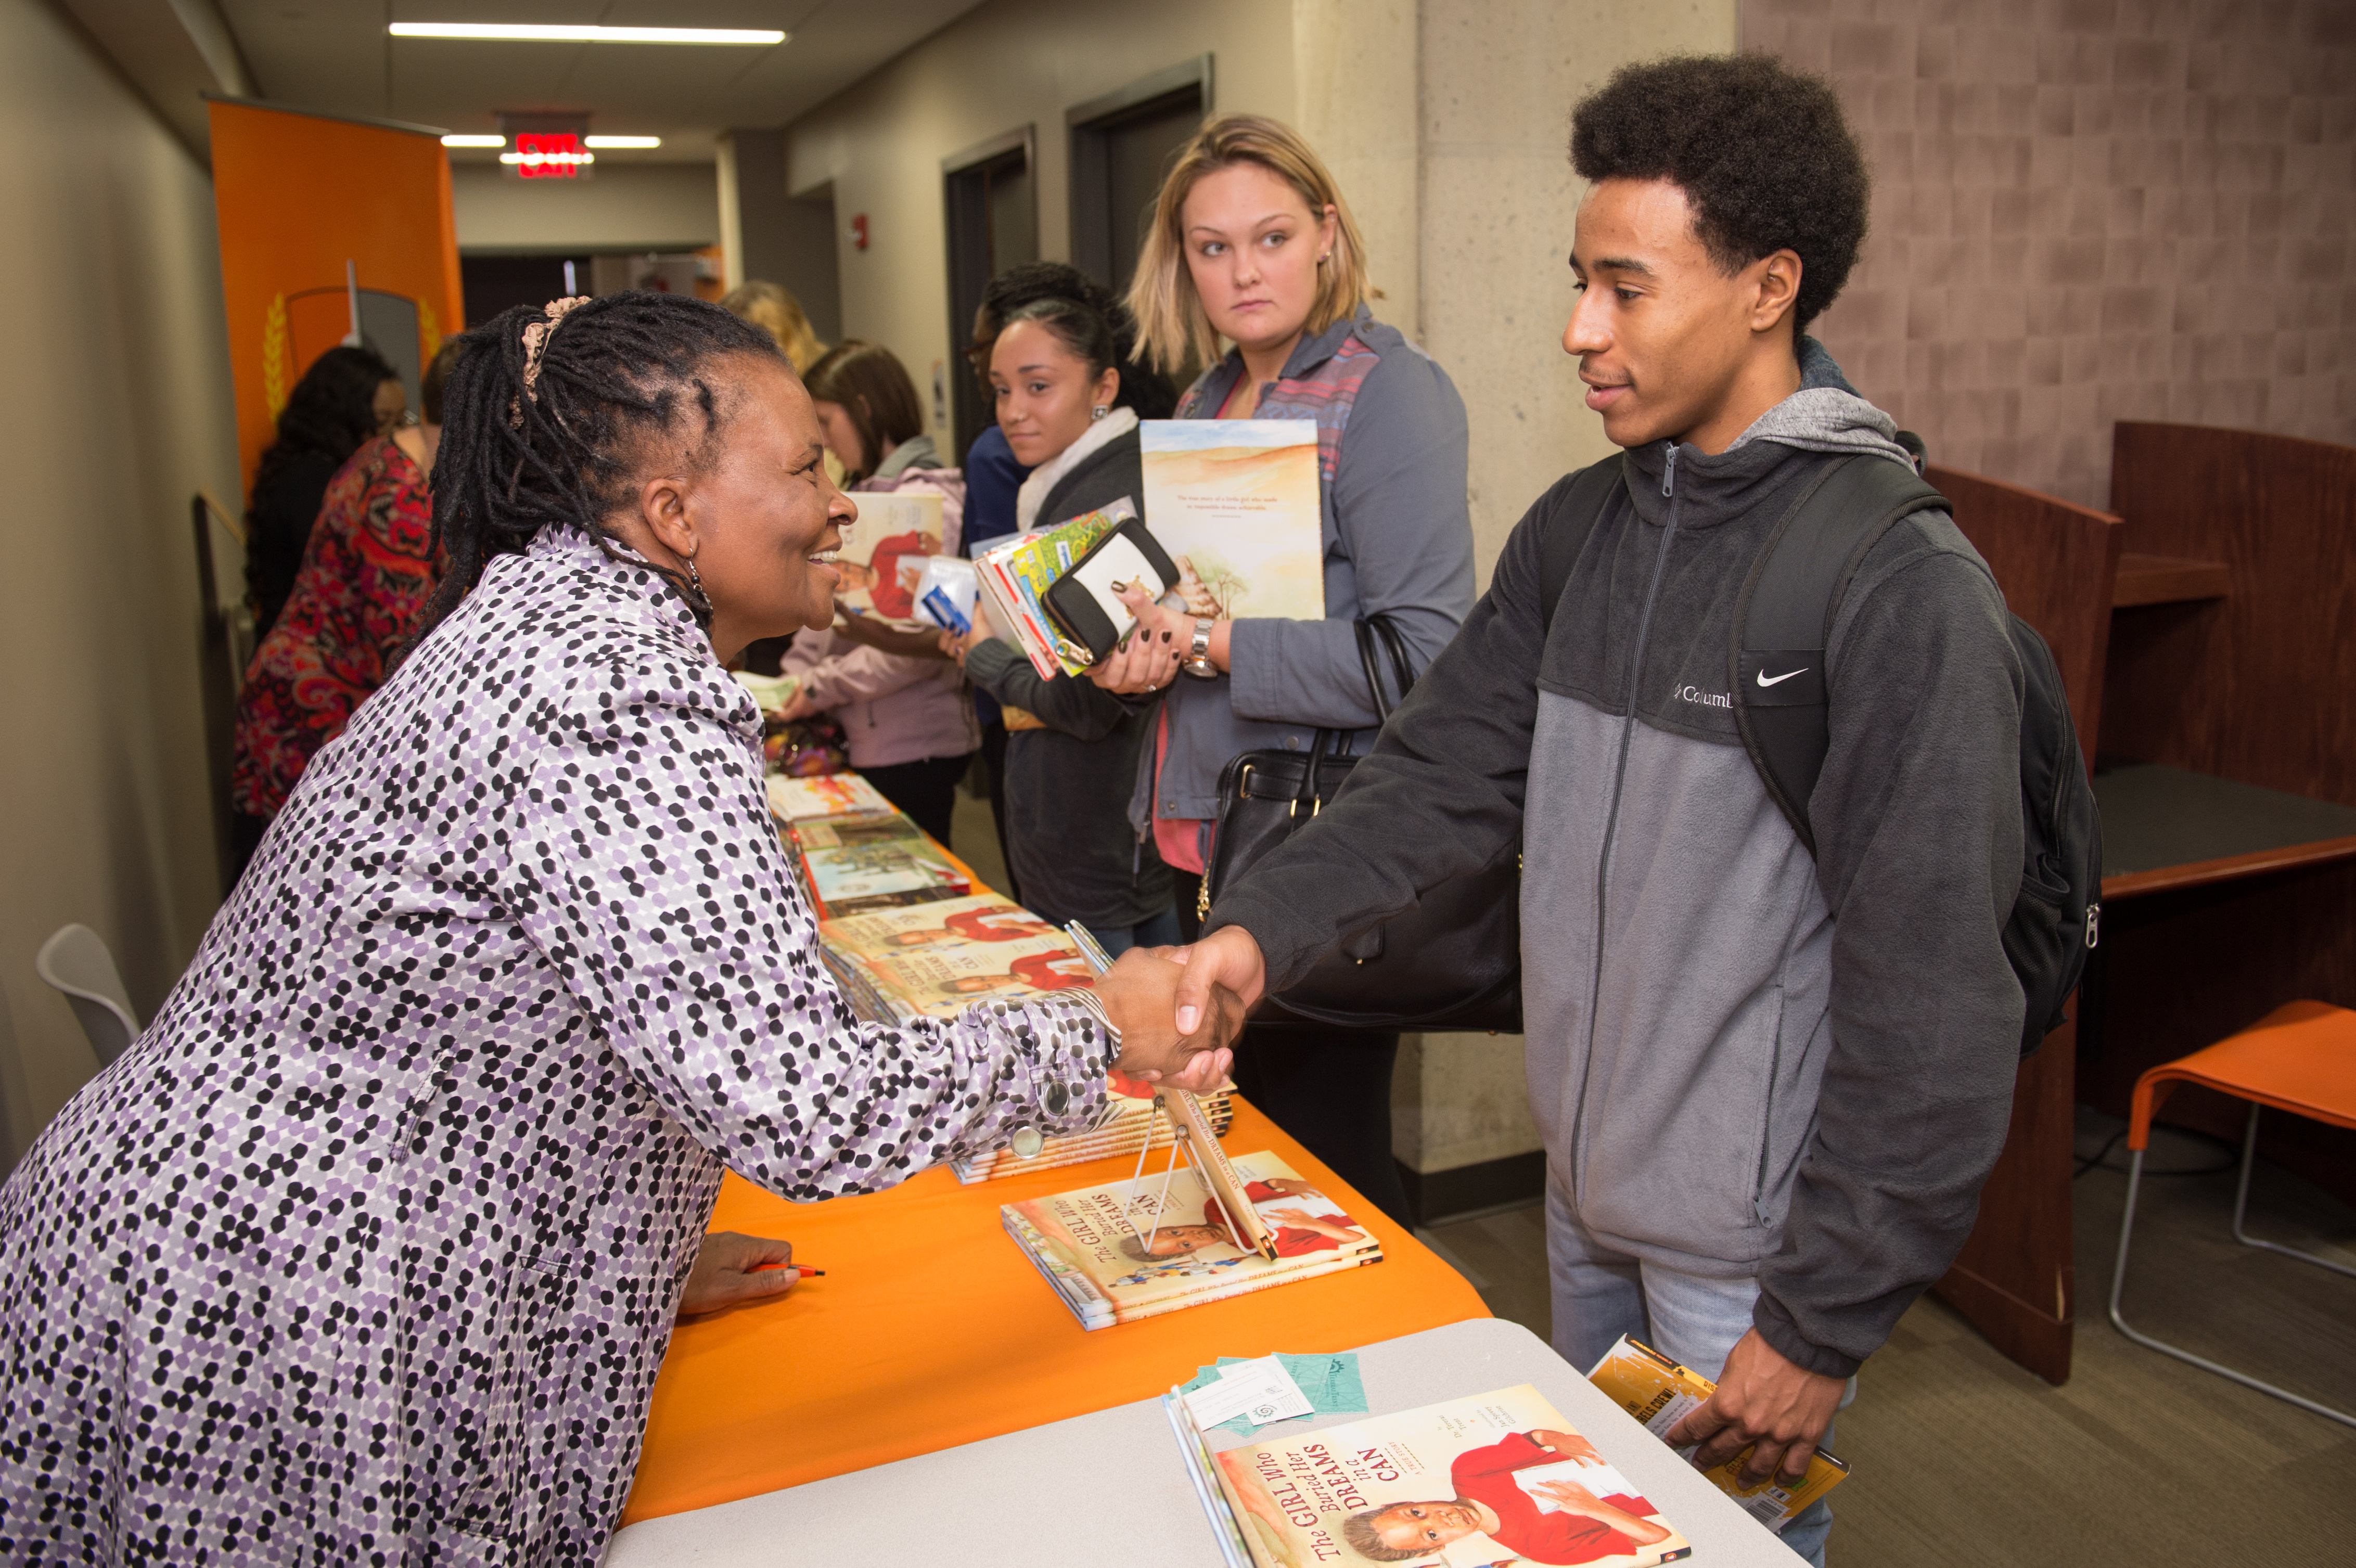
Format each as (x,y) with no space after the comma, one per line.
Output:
(1600,1293)
(1161,931)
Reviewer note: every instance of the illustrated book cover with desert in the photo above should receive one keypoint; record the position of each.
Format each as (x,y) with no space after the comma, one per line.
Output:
(1235,503)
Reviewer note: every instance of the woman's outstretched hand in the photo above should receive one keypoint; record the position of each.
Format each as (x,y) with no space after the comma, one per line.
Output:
(1140,995)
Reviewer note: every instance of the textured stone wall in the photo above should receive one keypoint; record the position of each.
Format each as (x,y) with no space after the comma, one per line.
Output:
(2090,210)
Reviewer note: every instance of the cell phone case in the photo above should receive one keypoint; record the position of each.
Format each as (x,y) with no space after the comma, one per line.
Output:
(1083,601)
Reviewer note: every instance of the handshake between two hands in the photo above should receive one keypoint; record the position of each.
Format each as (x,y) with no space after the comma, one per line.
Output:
(1180,1009)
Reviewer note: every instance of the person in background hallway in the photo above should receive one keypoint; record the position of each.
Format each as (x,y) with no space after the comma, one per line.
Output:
(1071,753)
(1772,1070)
(368,571)
(370,1247)
(1252,240)
(993,475)
(902,705)
(776,312)
(348,396)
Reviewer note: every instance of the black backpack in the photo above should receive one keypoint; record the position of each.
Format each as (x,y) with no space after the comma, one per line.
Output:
(1784,618)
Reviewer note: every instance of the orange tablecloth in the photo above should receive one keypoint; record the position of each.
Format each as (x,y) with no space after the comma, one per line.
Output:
(930,1329)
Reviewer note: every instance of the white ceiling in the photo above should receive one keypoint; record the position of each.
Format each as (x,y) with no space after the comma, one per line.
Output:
(335,55)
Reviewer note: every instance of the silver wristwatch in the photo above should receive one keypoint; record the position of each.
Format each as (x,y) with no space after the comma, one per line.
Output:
(1197,662)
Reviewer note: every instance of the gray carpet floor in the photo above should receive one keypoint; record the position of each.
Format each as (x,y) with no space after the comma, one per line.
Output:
(1960,1458)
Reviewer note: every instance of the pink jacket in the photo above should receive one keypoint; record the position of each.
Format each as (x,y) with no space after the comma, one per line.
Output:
(893,709)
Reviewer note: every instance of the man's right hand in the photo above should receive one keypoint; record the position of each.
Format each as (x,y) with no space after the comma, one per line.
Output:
(1138,993)
(1228,957)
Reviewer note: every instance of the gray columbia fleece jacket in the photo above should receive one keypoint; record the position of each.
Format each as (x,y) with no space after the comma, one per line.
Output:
(1743,1060)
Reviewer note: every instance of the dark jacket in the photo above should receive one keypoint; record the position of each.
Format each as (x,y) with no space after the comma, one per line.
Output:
(1743,1062)
(1068,834)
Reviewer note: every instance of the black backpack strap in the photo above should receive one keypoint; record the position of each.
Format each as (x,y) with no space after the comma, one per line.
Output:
(1591,489)
(1784,617)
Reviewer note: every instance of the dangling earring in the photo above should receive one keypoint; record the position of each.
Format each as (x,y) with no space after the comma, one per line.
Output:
(701,600)
(1099,411)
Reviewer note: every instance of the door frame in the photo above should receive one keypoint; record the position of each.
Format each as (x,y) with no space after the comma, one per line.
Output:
(1089,125)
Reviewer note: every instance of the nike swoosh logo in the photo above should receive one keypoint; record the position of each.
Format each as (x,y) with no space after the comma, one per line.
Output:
(1780,679)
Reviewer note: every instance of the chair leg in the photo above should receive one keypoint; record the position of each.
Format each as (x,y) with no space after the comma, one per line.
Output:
(2118,1286)
(2241,1203)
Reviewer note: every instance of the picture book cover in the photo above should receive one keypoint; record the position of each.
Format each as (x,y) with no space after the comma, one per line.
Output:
(1128,1243)
(1235,504)
(851,861)
(1490,1478)
(1658,1391)
(827,795)
(944,984)
(981,919)
(884,554)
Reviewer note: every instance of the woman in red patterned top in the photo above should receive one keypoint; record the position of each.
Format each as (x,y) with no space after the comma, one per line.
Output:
(370,567)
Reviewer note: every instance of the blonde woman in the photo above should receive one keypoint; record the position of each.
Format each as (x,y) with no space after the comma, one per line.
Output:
(1252,243)
(778,313)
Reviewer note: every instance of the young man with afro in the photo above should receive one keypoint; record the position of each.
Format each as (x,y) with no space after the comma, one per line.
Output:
(1770,1083)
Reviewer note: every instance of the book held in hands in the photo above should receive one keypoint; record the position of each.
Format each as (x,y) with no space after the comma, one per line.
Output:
(884,554)
(1235,504)
(1658,1391)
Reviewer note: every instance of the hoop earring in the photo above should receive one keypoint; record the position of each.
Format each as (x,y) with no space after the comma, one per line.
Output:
(1099,411)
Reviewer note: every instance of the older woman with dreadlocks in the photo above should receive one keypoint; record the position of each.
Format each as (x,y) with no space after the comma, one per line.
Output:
(368,1248)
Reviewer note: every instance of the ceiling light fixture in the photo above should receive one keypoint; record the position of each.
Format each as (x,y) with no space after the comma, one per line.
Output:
(616,143)
(474,140)
(539,33)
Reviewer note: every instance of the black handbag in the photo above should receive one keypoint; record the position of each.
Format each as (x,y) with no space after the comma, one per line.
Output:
(1453,961)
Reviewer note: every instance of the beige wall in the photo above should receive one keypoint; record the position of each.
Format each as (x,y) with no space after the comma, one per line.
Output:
(1003,65)
(1495,84)
(2090,212)
(115,410)
(629,207)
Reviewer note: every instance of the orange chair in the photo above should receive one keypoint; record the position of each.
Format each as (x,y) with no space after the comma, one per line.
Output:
(2299,1058)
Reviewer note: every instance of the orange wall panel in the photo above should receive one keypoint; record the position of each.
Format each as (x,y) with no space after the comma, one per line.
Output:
(297,195)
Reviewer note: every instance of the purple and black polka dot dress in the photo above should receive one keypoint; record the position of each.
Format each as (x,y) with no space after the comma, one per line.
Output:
(367,1251)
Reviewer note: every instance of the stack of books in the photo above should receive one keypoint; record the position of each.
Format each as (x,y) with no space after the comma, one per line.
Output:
(1129,1124)
(935,958)
(873,862)
(1126,1250)
(793,800)
(1011,577)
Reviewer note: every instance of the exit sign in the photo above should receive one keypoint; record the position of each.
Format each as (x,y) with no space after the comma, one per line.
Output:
(550,154)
